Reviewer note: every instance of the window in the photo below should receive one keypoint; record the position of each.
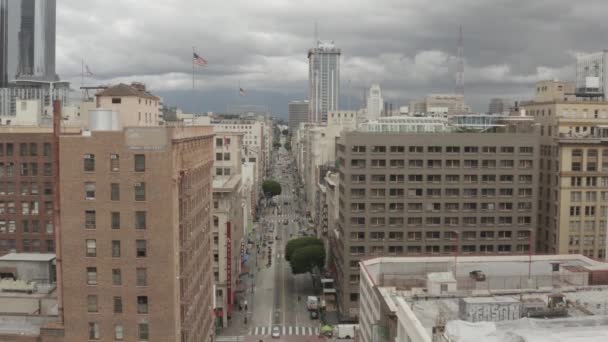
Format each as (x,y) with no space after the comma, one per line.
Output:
(114,163)
(116,277)
(118,332)
(89,190)
(89,219)
(141,248)
(139,190)
(140,163)
(453,149)
(91,275)
(507,149)
(115,220)
(358,149)
(140,220)
(94,331)
(46,149)
(23,149)
(434,149)
(92,303)
(91,248)
(141,276)
(416,149)
(116,100)
(89,162)
(143,331)
(115,249)
(378,149)
(114,191)
(397,149)
(117,304)
(471,149)
(47,169)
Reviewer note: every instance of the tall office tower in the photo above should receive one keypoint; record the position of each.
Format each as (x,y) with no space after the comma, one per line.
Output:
(37,40)
(136,234)
(497,106)
(374,102)
(298,112)
(323,81)
(420,186)
(573,180)
(591,78)
(10,12)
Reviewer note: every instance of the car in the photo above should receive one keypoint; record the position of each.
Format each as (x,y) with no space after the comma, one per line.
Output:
(314,315)
(276,332)
(285,222)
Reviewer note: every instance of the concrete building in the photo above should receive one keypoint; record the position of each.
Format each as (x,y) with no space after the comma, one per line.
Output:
(407,192)
(490,298)
(136,234)
(573,174)
(553,90)
(498,106)
(323,80)
(298,112)
(591,78)
(28,299)
(445,104)
(134,104)
(375,102)
(228,228)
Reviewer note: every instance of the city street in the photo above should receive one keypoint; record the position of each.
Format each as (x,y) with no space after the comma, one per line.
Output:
(277,297)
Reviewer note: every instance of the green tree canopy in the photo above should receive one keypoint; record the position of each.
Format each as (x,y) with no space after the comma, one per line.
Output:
(295,244)
(285,132)
(287,146)
(305,259)
(271,188)
(276,144)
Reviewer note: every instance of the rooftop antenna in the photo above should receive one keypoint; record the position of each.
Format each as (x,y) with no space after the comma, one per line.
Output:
(460,65)
(316,44)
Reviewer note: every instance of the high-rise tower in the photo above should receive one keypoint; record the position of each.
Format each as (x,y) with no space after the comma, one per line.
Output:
(323,80)
(460,65)
(37,40)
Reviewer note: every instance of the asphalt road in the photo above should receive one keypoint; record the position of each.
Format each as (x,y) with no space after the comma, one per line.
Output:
(275,298)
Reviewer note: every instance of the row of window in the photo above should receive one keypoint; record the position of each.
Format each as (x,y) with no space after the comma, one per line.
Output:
(588,225)
(435,221)
(435,207)
(141,276)
(25,149)
(436,235)
(33,226)
(117,305)
(139,191)
(25,169)
(140,219)
(441,149)
(28,245)
(417,178)
(438,192)
(399,250)
(439,163)
(589,181)
(143,331)
(25,188)
(589,210)
(590,196)
(141,248)
(139,163)
(27,208)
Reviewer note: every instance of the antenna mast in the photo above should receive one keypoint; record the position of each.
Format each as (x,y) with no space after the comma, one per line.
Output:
(460,65)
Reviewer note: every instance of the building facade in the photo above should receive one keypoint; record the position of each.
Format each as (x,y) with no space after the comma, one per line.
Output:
(134,104)
(375,102)
(136,234)
(430,194)
(573,175)
(591,78)
(323,81)
(298,112)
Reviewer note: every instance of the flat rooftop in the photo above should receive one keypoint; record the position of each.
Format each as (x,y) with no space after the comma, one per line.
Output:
(28,257)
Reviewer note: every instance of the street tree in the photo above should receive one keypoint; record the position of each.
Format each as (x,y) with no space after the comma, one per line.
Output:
(295,244)
(305,259)
(285,132)
(276,145)
(287,146)
(271,188)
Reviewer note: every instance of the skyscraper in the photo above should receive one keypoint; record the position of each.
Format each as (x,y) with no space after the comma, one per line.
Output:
(37,40)
(591,80)
(323,80)
(10,11)
(298,112)
(374,102)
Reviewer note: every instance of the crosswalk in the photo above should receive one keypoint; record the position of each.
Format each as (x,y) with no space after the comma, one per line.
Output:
(285,330)
(229,338)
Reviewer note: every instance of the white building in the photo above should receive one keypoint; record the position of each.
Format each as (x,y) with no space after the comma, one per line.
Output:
(591,73)
(492,299)
(375,102)
(323,80)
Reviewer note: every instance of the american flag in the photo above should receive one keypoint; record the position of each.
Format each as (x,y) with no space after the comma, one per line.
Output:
(198,60)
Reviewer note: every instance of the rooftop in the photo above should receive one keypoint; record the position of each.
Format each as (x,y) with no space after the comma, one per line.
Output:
(121,89)
(28,257)
(496,298)
(225,184)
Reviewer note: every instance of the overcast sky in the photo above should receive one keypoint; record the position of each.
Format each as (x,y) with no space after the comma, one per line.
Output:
(407,46)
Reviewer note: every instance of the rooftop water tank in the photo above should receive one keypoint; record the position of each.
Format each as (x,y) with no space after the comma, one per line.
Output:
(101,119)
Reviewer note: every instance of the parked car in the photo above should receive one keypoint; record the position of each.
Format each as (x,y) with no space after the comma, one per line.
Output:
(276,332)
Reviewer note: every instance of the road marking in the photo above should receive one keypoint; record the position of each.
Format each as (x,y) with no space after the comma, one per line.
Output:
(290,330)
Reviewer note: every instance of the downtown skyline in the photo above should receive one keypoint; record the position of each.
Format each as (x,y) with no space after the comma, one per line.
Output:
(408,48)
